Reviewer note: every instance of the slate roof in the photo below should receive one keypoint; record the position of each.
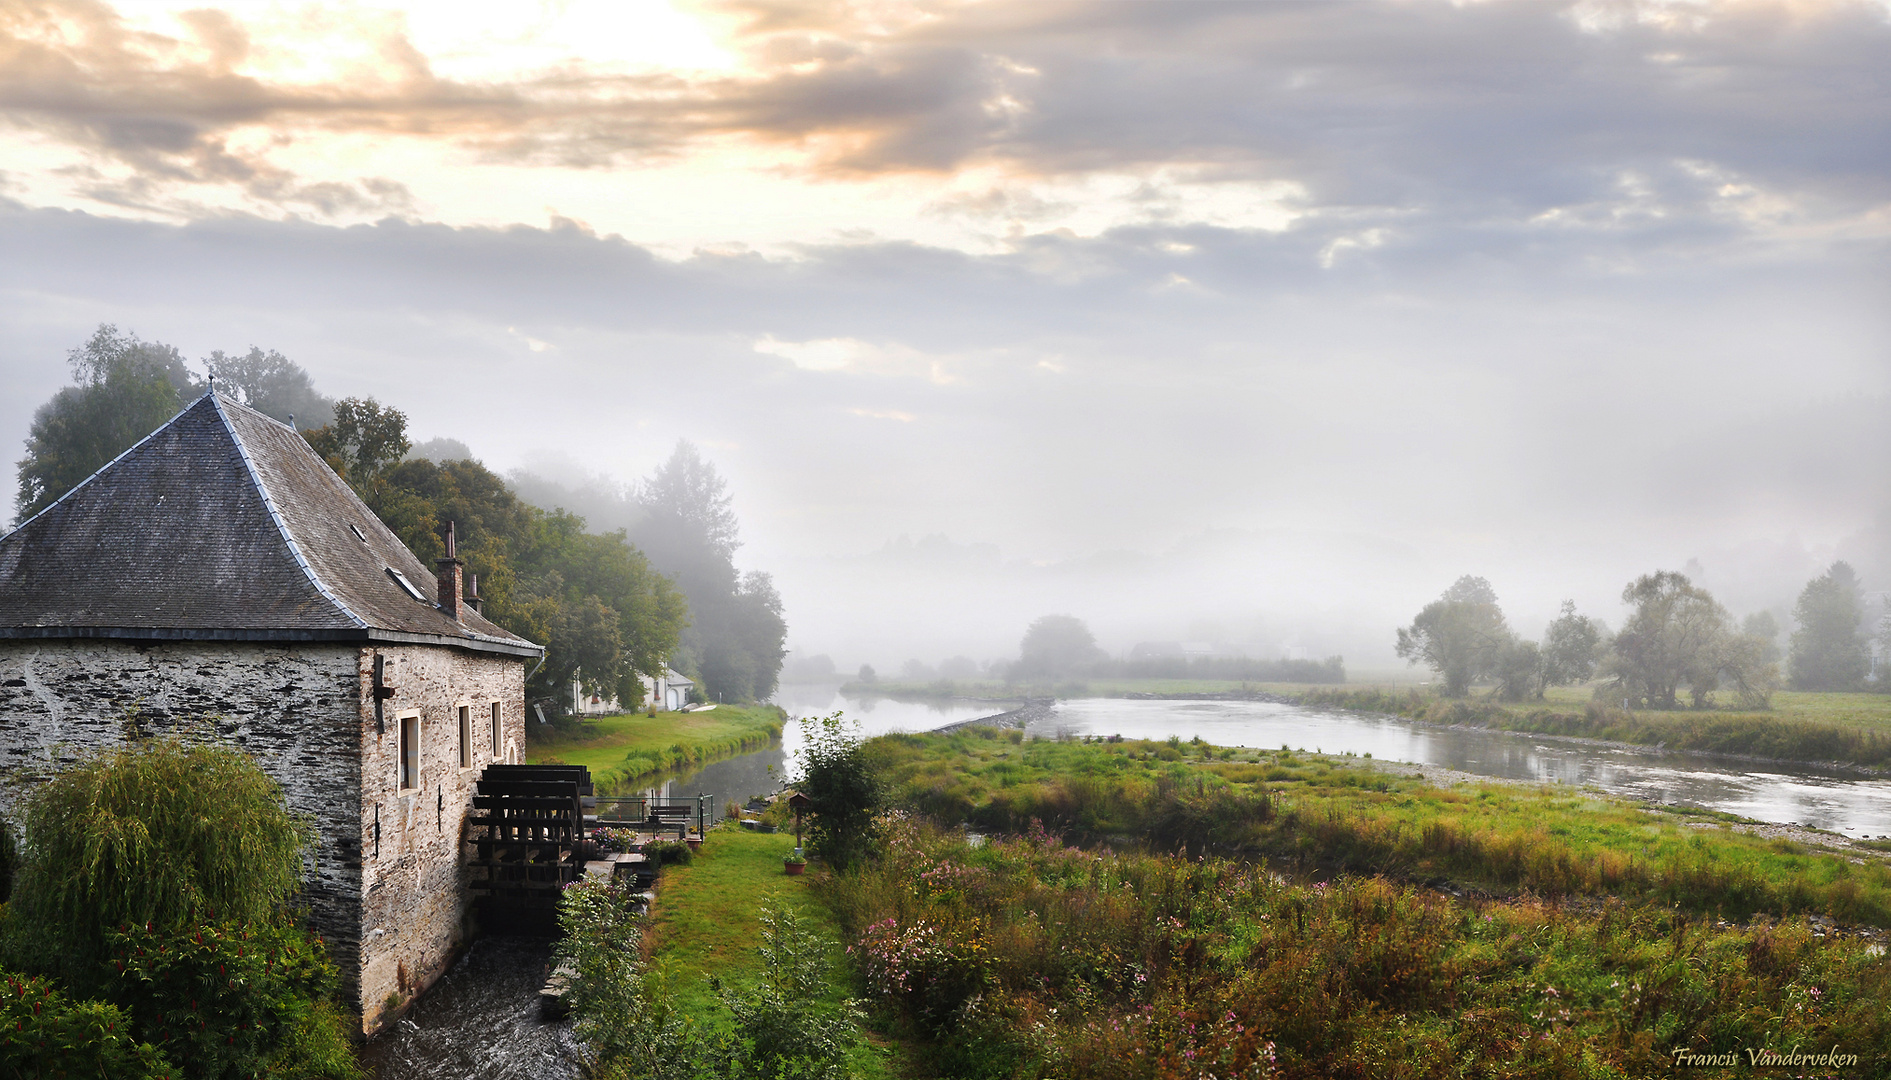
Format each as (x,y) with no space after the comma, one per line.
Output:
(223,525)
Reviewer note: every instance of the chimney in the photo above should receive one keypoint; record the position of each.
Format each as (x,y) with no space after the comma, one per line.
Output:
(472,592)
(448,570)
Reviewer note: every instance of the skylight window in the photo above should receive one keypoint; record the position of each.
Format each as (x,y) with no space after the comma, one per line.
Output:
(406,586)
(359,535)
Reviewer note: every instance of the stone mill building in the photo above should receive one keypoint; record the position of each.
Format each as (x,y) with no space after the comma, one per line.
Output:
(220,580)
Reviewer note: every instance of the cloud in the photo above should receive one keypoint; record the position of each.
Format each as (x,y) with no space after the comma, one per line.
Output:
(1738,118)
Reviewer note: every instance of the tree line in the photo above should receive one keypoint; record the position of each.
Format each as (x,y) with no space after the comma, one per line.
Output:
(1678,642)
(609,606)
(1062,646)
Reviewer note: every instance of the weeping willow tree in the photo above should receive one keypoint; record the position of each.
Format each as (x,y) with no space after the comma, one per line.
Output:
(156,832)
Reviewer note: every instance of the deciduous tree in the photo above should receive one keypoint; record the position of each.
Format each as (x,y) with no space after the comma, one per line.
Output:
(272,384)
(1829,649)
(1461,635)
(1678,635)
(124,388)
(1055,646)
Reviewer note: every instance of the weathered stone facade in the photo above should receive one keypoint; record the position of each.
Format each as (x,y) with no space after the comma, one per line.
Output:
(415,909)
(386,877)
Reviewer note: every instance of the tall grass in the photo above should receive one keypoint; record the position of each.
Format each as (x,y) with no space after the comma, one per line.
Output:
(1026,958)
(1325,814)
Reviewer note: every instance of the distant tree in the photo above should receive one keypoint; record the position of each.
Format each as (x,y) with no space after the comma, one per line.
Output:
(691,519)
(1461,635)
(1055,646)
(272,384)
(916,670)
(818,668)
(734,643)
(441,450)
(868,675)
(1572,648)
(365,440)
(1519,669)
(1678,635)
(1829,649)
(1764,628)
(958,667)
(124,389)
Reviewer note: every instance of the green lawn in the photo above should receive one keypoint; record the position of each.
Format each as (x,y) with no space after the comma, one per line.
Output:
(622,749)
(707,921)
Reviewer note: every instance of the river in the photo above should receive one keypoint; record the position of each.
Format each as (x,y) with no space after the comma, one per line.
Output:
(1771,791)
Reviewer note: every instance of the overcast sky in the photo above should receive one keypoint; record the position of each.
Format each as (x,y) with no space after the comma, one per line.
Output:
(1261,321)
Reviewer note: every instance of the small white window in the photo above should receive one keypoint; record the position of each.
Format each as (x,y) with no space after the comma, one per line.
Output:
(466,737)
(495,731)
(406,586)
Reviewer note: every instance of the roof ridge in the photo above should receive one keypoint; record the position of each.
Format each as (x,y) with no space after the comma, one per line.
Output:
(275,515)
(95,473)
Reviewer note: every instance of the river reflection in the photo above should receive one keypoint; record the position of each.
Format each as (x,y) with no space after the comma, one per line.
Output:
(1772,792)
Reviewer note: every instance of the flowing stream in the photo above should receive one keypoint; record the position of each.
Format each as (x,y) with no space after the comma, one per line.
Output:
(481,1020)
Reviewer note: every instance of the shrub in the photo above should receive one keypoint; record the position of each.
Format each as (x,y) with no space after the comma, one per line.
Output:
(843,791)
(628,1026)
(668,853)
(782,1028)
(43,1033)
(222,1000)
(152,832)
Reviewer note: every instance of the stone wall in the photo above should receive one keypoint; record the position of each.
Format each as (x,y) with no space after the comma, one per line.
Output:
(416,911)
(392,914)
(294,709)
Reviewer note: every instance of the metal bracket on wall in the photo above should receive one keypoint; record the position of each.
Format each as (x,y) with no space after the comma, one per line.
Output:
(382,692)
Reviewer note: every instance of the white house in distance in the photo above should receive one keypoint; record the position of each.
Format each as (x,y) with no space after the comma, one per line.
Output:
(219,580)
(668,691)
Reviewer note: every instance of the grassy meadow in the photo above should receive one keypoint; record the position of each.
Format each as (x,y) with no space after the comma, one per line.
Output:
(1169,909)
(620,750)
(1328,815)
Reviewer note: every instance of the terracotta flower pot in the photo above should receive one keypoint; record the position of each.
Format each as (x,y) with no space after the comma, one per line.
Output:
(695,844)
(793,868)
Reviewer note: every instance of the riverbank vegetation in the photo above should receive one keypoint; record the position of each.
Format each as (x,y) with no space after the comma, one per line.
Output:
(1852,728)
(1023,957)
(1171,909)
(1329,815)
(621,750)
(147,934)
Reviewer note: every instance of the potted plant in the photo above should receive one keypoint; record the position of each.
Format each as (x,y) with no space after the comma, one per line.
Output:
(793,863)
